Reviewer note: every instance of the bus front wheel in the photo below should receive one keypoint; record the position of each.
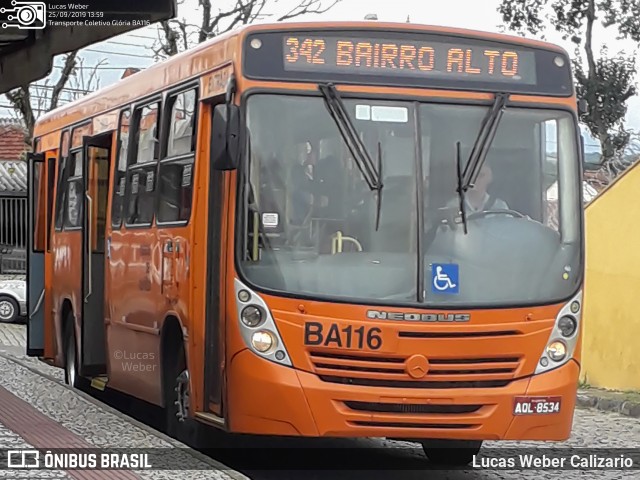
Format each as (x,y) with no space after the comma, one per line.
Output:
(173,368)
(177,399)
(451,452)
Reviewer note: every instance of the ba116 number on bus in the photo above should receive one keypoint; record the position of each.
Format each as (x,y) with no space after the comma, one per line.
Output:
(317,334)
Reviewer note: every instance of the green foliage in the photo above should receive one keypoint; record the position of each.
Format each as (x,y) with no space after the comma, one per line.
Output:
(606,83)
(625,14)
(607,92)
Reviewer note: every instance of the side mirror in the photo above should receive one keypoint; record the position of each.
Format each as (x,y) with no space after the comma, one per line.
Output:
(583,107)
(225,137)
(594,161)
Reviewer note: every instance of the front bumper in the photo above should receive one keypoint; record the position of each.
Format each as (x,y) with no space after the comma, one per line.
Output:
(266,398)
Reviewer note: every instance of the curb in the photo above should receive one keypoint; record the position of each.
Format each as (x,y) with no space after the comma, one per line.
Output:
(609,402)
(225,470)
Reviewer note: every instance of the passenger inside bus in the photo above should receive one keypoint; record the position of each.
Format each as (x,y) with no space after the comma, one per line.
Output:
(302,198)
(327,193)
(477,198)
(321,234)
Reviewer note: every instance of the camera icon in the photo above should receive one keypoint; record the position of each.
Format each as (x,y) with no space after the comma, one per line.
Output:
(26,15)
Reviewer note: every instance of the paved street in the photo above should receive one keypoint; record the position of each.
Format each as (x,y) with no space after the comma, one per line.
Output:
(592,429)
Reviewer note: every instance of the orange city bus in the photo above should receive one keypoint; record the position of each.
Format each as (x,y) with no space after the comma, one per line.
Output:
(323,230)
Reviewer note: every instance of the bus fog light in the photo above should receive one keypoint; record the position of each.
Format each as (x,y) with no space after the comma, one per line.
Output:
(575,306)
(251,316)
(244,296)
(557,351)
(263,341)
(544,361)
(567,326)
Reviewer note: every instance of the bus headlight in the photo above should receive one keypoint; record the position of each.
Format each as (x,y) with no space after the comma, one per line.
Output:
(567,326)
(557,351)
(251,316)
(263,341)
(257,327)
(564,336)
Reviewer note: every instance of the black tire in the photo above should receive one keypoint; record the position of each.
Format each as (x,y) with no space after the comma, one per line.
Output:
(452,453)
(174,364)
(190,431)
(9,309)
(71,376)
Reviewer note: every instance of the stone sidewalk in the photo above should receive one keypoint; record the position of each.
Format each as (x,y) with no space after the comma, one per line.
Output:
(624,403)
(37,410)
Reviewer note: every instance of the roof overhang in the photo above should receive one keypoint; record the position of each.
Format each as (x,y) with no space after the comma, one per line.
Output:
(27,55)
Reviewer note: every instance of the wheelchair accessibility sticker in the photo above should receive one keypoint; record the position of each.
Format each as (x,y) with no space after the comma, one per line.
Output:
(444,278)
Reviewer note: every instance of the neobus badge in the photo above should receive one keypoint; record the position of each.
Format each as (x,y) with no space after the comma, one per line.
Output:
(419,317)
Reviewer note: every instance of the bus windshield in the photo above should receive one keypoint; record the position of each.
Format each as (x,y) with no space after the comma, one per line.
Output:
(309,216)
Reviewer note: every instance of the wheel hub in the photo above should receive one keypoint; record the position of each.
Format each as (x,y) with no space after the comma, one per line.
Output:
(6,310)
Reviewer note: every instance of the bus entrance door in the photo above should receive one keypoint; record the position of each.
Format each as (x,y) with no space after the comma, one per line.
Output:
(35,254)
(97,154)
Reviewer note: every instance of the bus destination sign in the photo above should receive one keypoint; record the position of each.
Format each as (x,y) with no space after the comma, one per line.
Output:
(406,57)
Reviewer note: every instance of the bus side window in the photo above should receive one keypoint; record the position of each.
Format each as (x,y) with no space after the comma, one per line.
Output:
(120,177)
(38,208)
(176,169)
(51,166)
(61,191)
(75,195)
(142,166)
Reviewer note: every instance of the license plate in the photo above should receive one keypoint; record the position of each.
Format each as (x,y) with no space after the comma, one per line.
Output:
(536,405)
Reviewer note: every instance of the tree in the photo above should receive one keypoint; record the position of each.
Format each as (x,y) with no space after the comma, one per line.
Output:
(30,101)
(624,159)
(606,83)
(179,35)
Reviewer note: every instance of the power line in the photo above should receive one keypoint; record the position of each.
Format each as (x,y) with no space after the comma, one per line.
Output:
(32,108)
(68,89)
(117,53)
(140,36)
(113,42)
(103,68)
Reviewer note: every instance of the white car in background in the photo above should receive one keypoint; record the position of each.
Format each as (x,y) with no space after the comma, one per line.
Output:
(13,297)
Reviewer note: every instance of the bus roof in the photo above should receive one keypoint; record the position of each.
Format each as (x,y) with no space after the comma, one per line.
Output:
(200,60)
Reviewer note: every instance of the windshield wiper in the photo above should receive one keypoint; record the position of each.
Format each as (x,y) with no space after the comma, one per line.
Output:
(461,191)
(487,132)
(379,205)
(372,174)
(483,141)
